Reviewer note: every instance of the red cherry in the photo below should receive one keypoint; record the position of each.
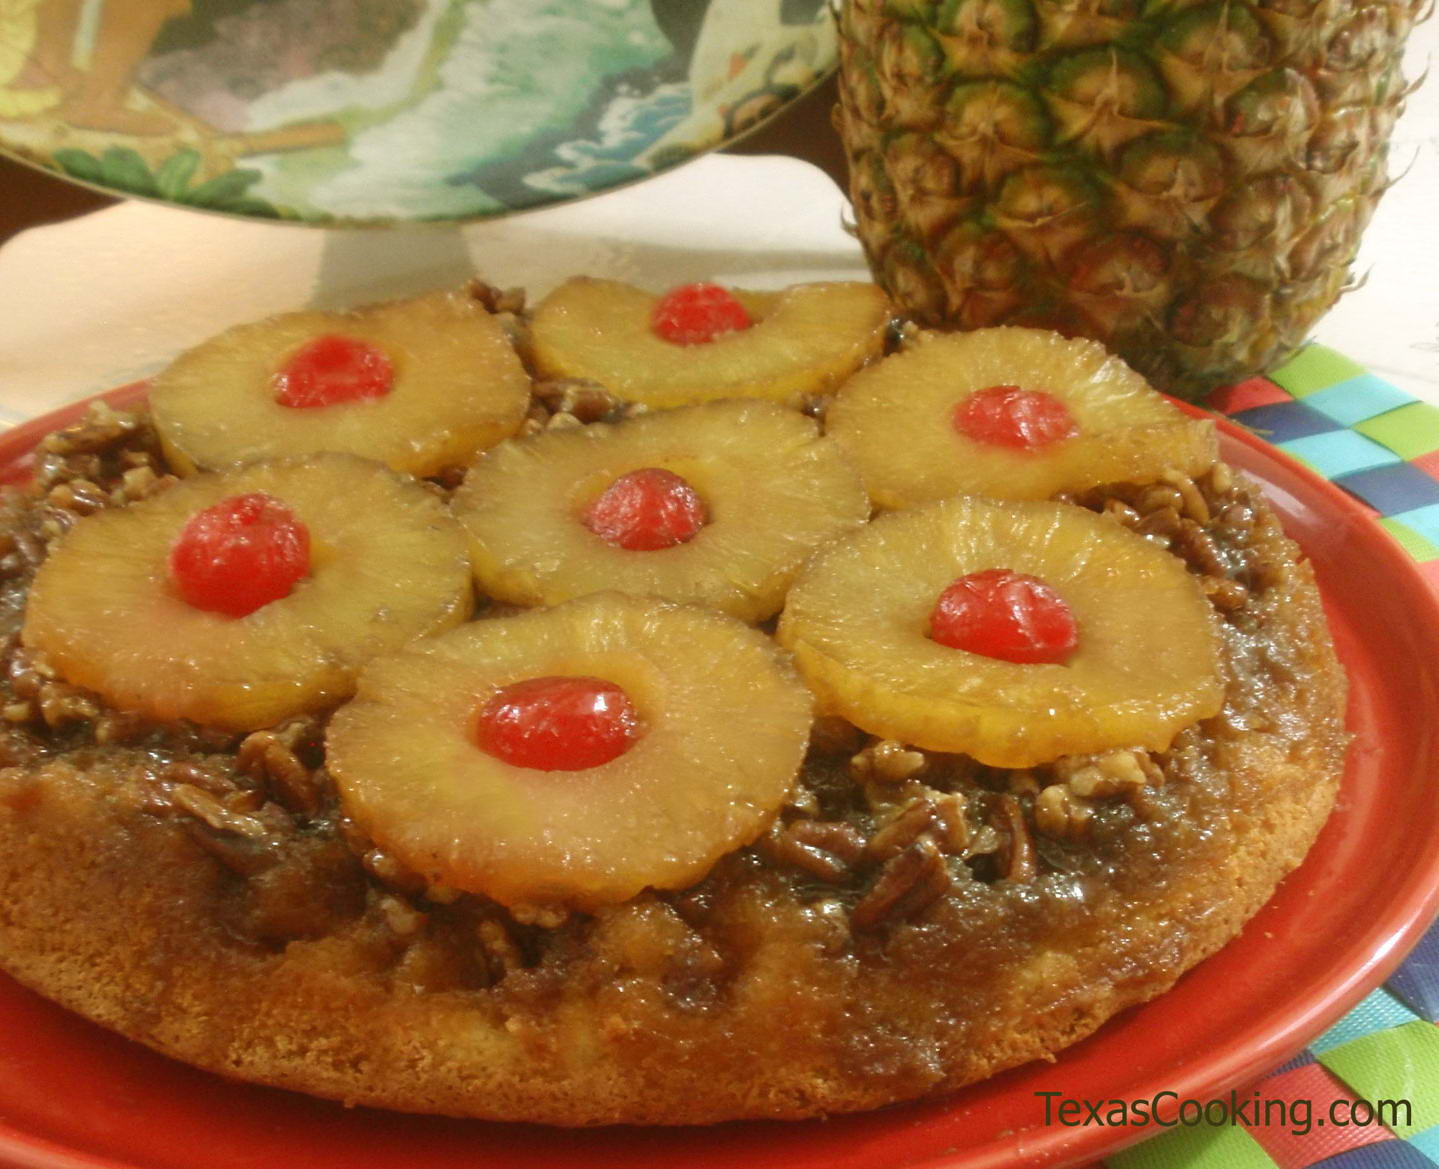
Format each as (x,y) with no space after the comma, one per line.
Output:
(240,555)
(647,510)
(695,314)
(1005,615)
(558,723)
(1024,420)
(334,369)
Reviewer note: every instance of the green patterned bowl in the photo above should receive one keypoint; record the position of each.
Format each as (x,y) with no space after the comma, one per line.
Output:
(358,112)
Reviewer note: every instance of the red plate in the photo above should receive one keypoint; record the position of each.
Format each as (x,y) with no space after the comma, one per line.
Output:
(73,1095)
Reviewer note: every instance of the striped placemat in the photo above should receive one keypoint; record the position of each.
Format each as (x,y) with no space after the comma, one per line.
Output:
(1382,446)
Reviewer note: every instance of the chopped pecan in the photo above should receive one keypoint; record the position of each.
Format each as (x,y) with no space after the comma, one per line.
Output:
(79,496)
(500,952)
(101,428)
(887,760)
(802,799)
(60,704)
(193,774)
(495,299)
(1193,504)
(1017,860)
(270,757)
(834,836)
(389,871)
(1161,525)
(240,841)
(1060,813)
(1198,548)
(28,671)
(140,483)
(1226,595)
(1122,513)
(549,917)
(1219,482)
(402,918)
(1107,773)
(914,820)
(1160,497)
(534,421)
(120,726)
(781,846)
(908,884)
(1238,518)
(203,806)
(585,400)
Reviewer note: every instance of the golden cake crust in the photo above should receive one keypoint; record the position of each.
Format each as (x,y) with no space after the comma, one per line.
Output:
(279,950)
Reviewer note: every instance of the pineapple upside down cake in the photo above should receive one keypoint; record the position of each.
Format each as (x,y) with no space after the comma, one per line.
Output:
(643,709)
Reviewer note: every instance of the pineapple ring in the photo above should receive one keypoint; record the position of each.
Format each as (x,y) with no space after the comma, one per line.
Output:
(725,727)
(386,565)
(1147,664)
(805,340)
(458,388)
(774,488)
(896,420)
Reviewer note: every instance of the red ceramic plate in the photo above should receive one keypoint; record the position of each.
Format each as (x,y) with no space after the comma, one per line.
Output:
(72,1095)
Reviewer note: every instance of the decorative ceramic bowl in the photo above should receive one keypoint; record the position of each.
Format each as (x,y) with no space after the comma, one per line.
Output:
(343,112)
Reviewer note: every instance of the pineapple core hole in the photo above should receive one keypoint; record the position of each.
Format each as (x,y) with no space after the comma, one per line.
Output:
(646,511)
(331,370)
(558,723)
(1006,615)
(1008,416)
(240,554)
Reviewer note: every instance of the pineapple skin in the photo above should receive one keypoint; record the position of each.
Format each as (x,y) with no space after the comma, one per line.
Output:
(1185,182)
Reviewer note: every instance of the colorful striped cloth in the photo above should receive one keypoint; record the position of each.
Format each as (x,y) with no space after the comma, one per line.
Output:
(1382,446)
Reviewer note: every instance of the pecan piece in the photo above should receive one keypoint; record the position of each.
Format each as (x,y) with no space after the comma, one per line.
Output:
(782,845)
(887,760)
(1198,548)
(1193,504)
(907,885)
(498,948)
(1017,860)
(834,836)
(1108,773)
(495,299)
(269,757)
(1060,813)
(584,400)
(238,840)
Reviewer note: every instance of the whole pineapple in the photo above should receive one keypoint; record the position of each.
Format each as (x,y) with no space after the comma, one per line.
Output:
(1184,181)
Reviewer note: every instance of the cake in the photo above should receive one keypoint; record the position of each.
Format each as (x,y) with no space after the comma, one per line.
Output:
(818,811)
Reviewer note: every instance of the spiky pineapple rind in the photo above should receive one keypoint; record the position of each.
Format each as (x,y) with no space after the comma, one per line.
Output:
(1164,114)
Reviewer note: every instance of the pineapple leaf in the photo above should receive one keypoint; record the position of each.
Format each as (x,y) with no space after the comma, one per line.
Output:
(221,191)
(79,164)
(124,168)
(173,175)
